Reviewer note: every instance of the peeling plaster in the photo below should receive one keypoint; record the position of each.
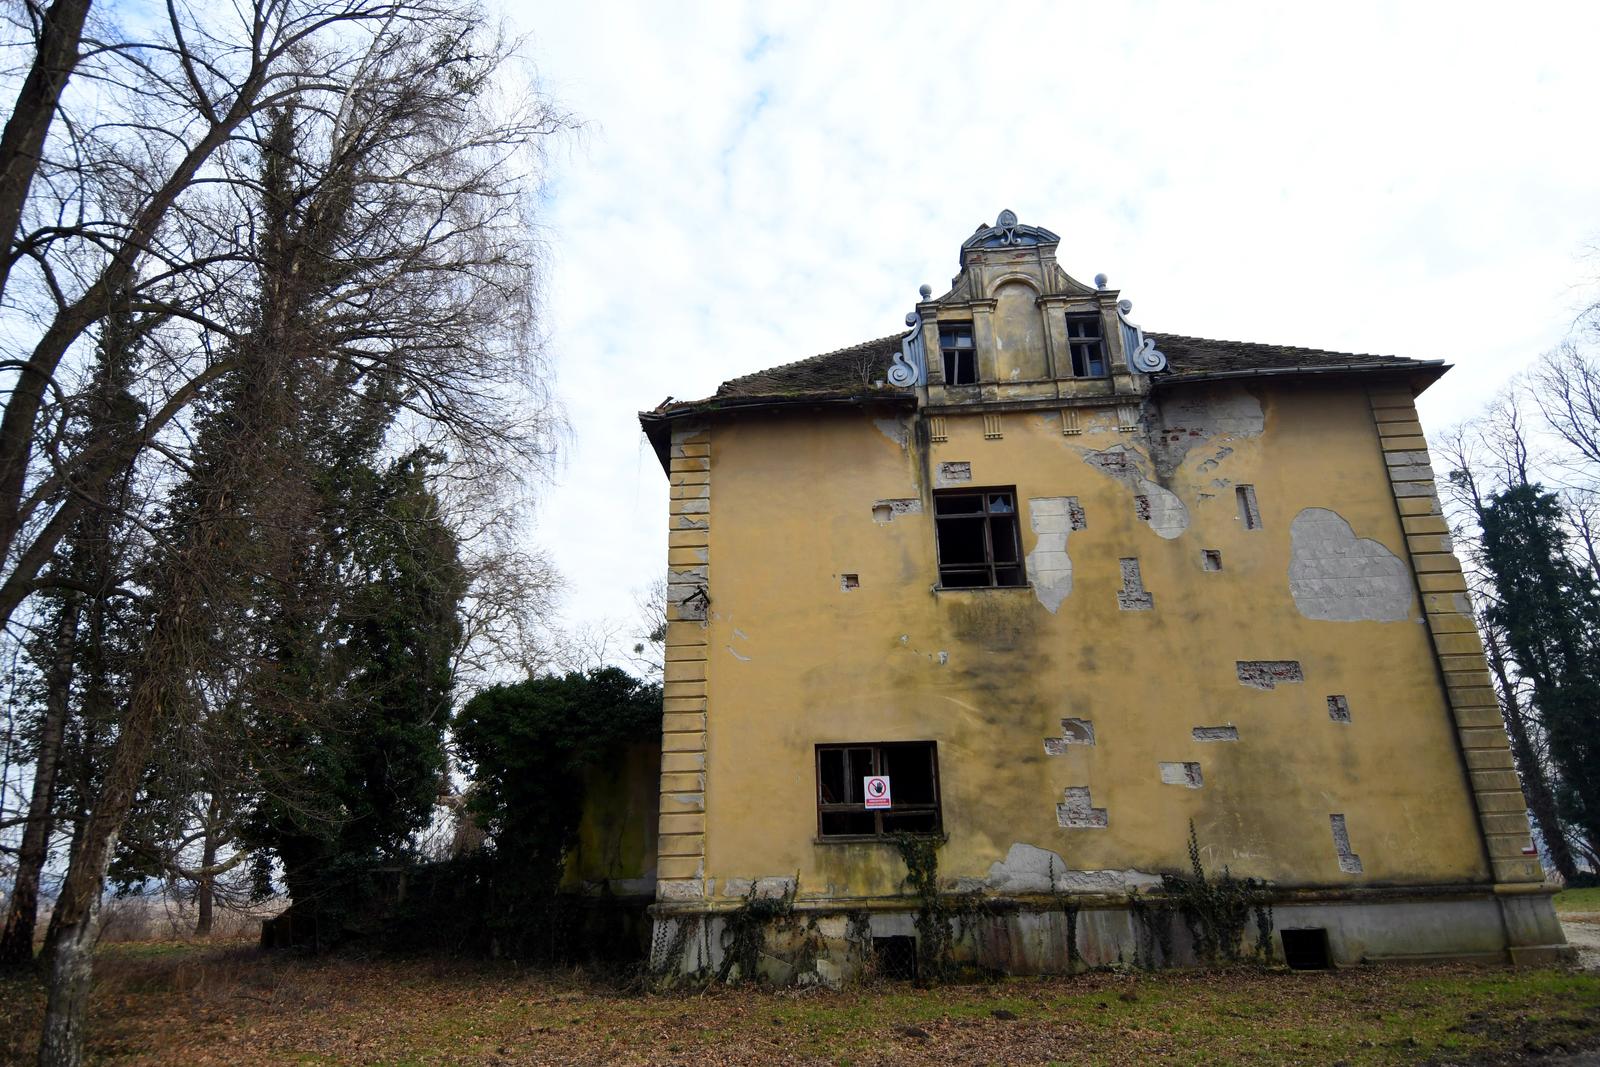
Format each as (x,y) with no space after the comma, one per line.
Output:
(1197,418)
(1155,504)
(1073,732)
(886,511)
(1053,518)
(1133,596)
(1030,869)
(896,430)
(1215,733)
(953,473)
(769,888)
(1268,673)
(1075,811)
(1335,576)
(735,653)
(1185,774)
(1338,708)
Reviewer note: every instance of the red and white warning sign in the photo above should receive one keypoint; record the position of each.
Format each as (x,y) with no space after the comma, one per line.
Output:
(876,788)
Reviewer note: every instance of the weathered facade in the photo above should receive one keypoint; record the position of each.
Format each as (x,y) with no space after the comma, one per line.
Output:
(1073,588)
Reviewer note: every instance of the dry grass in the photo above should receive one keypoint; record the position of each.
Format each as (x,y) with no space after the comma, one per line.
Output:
(162,1003)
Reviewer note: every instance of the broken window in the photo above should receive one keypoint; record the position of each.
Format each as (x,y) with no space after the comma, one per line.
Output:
(1087,345)
(979,545)
(912,768)
(960,360)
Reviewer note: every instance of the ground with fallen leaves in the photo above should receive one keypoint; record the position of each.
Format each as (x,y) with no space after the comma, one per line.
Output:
(166,1004)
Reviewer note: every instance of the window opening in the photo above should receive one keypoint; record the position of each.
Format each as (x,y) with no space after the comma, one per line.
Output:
(979,543)
(913,771)
(960,359)
(1087,346)
(1211,558)
(895,958)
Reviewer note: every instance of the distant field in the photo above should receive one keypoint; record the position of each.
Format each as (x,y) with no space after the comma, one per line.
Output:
(194,1005)
(1570,900)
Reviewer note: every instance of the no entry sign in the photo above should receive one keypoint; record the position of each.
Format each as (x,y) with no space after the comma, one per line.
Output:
(876,788)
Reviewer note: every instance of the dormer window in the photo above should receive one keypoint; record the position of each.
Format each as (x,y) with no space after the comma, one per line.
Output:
(1087,345)
(960,360)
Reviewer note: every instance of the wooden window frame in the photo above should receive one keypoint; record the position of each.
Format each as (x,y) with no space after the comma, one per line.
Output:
(970,350)
(1098,340)
(985,516)
(879,833)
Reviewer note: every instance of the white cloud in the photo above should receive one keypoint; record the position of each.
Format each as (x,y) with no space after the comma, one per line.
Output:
(763,182)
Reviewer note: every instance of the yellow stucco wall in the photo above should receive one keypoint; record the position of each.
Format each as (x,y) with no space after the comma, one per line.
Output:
(794,660)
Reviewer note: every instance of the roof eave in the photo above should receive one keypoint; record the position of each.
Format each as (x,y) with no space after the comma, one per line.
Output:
(1422,371)
(657,425)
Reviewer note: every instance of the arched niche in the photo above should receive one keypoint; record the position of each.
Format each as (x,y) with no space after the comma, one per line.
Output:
(1018,332)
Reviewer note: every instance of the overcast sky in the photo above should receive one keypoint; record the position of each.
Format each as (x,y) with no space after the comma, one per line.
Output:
(758,183)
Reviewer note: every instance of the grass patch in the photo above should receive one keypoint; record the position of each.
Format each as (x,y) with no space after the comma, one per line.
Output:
(1578,900)
(199,1005)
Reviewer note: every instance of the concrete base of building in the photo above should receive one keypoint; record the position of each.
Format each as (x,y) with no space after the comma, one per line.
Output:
(834,942)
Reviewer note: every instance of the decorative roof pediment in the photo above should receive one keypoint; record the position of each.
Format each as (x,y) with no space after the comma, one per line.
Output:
(1007,232)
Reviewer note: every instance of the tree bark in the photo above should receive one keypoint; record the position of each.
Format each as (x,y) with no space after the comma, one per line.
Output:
(205,889)
(16,943)
(22,143)
(71,975)
(1535,783)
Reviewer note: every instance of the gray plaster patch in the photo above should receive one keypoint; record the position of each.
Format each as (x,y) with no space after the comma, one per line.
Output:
(1268,673)
(886,511)
(1335,576)
(953,473)
(1186,774)
(769,888)
(1349,862)
(1073,732)
(1215,733)
(1048,564)
(1195,418)
(1075,811)
(1030,869)
(1133,597)
(1338,709)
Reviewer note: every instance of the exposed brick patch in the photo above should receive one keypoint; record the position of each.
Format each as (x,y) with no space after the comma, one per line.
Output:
(1349,862)
(1338,709)
(1076,813)
(1249,510)
(1073,732)
(886,511)
(1141,507)
(1133,596)
(1075,513)
(1268,673)
(1215,733)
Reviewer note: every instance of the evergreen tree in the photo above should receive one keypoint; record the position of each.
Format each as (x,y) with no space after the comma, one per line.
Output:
(1550,610)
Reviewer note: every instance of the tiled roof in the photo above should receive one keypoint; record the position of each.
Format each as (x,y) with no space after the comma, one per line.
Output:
(1194,357)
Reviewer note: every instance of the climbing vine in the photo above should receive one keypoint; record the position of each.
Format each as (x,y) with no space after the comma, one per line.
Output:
(1216,911)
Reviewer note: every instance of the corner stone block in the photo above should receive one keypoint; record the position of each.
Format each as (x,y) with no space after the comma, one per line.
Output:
(1496,781)
(1489,759)
(685,671)
(1451,622)
(681,722)
(679,867)
(682,845)
(683,743)
(681,823)
(1425,524)
(683,802)
(1464,644)
(1507,846)
(1484,737)
(1501,803)
(1474,696)
(1467,718)
(680,782)
(1435,563)
(1391,430)
(1509,822)
(683,762)
(1442,582)
(1523,870)
(688,538)
(1399,444)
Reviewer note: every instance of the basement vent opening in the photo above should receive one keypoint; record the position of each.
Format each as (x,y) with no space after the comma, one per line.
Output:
(1306,950)
(895,958)
(849,581)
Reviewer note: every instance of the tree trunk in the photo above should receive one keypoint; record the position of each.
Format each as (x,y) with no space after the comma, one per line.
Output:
(205,889)
(71,976)
(1535,783)
(22,144)
(16,943)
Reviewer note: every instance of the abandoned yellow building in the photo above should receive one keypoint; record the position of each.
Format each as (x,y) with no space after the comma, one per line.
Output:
(1073,588)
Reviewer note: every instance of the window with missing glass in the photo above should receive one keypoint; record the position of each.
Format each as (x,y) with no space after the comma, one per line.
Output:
(1088,346)
(912,768)
(978,538)
(960,358)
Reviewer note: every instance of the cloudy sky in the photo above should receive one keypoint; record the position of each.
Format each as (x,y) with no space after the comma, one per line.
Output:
(758,183)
